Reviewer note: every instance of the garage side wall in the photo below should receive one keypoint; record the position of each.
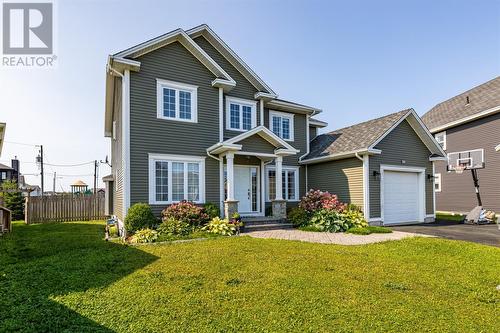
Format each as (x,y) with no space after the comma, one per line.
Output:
(341,177)
(401,144)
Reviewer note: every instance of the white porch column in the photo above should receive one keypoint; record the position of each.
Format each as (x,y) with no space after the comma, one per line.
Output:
(230,176)
(279,184)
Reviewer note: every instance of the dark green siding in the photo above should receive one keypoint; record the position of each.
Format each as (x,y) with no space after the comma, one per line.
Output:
(313,131)
(341,177)
(401,144)
(148,134)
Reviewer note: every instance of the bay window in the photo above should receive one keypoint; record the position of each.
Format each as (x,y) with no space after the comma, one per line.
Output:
(289,181)
(176,178)
(176,101)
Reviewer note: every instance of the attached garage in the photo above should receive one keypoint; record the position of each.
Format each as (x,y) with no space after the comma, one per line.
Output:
(393,159)
(403,195)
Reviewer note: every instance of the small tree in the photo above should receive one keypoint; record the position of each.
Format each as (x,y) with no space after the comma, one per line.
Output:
(13,199)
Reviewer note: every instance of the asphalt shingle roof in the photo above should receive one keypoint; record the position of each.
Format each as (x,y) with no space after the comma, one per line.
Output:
(353,138)
(481,98)
(5,167)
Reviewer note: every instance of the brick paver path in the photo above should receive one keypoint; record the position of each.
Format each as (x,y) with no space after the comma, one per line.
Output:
(330,238)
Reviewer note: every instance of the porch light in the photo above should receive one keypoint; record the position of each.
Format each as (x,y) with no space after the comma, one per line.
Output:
(376,174)
(430,177)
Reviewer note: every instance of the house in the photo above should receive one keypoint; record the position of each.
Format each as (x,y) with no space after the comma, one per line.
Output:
(188,119)
(384,165)
(2,136)
(9,173)
(468,122)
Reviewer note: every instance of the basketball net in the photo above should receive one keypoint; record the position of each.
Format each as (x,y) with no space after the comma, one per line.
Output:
(460,169)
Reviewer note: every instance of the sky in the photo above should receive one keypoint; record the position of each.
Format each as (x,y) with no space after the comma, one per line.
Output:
(356,60)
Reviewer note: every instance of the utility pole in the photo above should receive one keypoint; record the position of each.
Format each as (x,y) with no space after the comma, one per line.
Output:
(54,185)
(95,176)
(41,166)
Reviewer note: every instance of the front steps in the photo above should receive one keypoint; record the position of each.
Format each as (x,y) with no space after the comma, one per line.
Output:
(265,223)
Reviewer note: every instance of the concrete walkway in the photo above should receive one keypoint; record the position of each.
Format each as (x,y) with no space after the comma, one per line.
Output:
(330,238)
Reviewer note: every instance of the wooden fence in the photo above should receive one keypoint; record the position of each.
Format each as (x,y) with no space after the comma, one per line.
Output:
(64,208)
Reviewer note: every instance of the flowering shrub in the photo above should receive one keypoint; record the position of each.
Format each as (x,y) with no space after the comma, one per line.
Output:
(186,212)
(298,216)
(144,236)
(315,200)
(174,227)
(221,227)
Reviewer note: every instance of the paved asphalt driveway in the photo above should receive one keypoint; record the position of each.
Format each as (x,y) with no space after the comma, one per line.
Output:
(484,234)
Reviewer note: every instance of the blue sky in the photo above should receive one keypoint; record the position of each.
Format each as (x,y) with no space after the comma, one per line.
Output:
(356,60)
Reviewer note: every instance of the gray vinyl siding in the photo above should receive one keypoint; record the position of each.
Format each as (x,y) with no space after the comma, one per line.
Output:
(244,89)
(117,153)
(401,144)
(457,190)
(148,134)
(313,131)
(256,144)
(341,177)
(300,143)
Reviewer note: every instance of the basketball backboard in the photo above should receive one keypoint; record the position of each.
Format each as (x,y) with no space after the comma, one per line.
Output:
(466,160)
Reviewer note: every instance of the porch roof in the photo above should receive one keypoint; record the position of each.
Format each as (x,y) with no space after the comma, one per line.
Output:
(282,148)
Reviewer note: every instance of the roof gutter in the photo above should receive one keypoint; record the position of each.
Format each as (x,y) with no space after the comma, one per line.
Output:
(340,156)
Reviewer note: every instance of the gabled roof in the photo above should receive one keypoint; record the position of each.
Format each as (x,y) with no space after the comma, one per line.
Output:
(362,138)
(5,167)
(475,103)
(231,56)
(317,123)
(2,135)
(282,147)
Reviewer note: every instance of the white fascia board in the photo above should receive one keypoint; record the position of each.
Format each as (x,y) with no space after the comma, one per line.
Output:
(293,107)
(180,36)
(265,96)
(230,55)
(339,156)
(265,133)
(317,123)
(224,84)
(222,147)
(420,130)
(464,120)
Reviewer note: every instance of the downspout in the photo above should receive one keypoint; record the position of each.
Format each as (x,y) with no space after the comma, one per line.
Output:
(308,143)
(212,156)
(358,157)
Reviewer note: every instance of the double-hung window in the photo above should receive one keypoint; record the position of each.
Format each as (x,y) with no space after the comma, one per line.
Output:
(240,114)
(441,139)
(289,183)
(177,101)
(176,178)
(281,124)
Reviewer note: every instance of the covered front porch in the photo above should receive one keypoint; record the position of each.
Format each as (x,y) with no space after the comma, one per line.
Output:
(243,161)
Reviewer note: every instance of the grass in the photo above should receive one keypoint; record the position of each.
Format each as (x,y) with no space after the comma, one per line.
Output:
(450,217)
(65,278)
(193,235)
(369,230)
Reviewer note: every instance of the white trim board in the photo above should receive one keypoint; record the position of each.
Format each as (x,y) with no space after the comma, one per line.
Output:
(126,141)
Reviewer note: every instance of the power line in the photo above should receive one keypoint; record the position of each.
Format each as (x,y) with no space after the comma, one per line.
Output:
(70,165)
(20,143)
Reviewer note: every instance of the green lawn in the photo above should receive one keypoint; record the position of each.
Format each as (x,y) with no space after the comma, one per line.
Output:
(65,278)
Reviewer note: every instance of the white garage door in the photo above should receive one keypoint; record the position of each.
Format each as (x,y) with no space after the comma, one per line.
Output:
(401,197)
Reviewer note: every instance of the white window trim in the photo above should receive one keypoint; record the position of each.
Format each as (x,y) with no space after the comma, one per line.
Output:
(444,138)
(437,181)
(160,84)
(287,115)
(284,168)
(174,158)
(240,101)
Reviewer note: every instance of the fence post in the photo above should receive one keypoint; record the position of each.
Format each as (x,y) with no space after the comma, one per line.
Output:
(27,214)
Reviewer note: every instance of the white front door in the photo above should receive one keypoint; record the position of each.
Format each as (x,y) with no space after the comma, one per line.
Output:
(242,188)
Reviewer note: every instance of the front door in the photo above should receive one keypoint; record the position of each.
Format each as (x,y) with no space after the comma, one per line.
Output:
(245,188)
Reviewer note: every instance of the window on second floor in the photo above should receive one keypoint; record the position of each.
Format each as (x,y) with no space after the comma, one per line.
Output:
(177,101)
(240,114)
(441,139)
(281,124)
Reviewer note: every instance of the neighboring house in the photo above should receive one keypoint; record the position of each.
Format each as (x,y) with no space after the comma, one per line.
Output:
(6,173)
(384,166)
(189,120)
(2,135)
(469,121)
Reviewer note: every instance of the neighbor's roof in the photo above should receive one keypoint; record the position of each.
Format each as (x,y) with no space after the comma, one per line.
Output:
(483,100)
(353,138)
(5,167)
